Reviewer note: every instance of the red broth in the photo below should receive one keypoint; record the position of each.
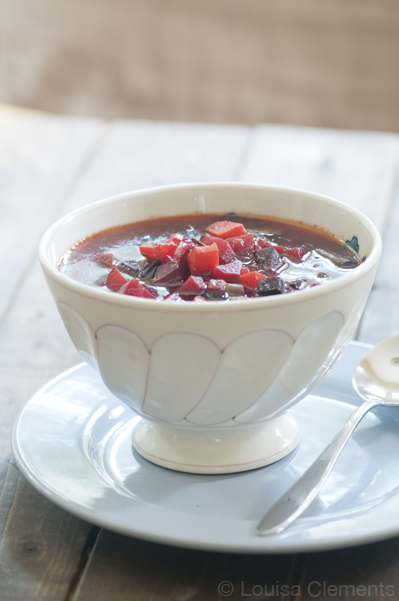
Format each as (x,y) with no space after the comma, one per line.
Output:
(199,258)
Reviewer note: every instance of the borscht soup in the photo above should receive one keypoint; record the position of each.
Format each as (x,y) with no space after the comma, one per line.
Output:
(207,257)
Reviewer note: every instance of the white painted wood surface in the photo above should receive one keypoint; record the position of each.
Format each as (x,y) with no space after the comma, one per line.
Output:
(141,154)
(358,168)
(40,159)
(50,165)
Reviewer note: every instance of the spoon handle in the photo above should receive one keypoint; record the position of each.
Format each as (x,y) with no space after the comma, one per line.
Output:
(299,496)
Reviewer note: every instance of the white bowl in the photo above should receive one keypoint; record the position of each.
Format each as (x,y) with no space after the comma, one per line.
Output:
(213,381)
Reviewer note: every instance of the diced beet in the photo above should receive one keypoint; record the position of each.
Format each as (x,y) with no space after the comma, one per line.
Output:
(226,229)
(140,294)
(115,280)
(242,245)
(183,266)
(216,285)
(168,274)
(143,292)
(136,288)
(269,259)
(150,268)
(107,259)
(181,256)
(229,272)
(158,251)
(226,253)
(152,290)
(202,259)
(250,279)
(193,285)
(182,249)
(132,268)
(297,253)
(272,286)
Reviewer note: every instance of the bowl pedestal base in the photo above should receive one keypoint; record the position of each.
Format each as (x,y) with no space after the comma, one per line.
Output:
(216,450)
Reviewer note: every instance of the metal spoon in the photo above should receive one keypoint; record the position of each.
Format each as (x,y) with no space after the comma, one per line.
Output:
(375,379)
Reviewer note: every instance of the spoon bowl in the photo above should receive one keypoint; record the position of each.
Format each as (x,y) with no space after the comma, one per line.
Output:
(376,380)
(376,377)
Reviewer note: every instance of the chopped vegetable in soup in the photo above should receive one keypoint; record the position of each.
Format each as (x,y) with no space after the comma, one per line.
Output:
(199,258)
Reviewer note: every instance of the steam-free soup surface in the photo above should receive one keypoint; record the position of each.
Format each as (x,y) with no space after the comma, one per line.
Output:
(202,257)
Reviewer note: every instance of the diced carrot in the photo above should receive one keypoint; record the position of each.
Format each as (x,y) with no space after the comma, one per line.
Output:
(202,259)
(250,279)
(226,253)
(106,259)
(158,251)
(226,229)
(115,280)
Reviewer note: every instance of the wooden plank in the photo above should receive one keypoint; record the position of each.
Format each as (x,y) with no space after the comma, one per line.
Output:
(33,333)
(34,347)
(42,547)
(136,155)
(40,157)
(143,154)
(144,571)
(358,168)
(358,573)
(381,316)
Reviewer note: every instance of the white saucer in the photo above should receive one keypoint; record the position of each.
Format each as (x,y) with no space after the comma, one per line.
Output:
(73,442)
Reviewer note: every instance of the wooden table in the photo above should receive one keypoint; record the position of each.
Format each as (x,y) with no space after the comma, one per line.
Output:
(50,165)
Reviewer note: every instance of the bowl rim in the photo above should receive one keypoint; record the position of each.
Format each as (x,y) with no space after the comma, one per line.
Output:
(239,304)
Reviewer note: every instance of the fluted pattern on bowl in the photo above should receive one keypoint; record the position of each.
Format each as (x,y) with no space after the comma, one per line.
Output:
(185,378)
